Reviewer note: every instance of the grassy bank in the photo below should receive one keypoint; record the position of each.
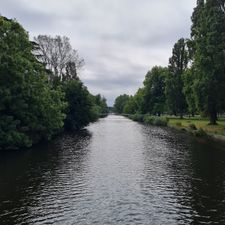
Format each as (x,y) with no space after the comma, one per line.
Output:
(196,125)
(147,119)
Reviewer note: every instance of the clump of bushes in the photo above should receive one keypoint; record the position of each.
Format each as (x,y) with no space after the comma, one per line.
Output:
(149,119)
(200,133)
(192,126)
(137,117)
(156,121)
(178,124)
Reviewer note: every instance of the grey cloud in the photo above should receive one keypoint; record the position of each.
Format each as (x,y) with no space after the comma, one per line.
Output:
(120,40)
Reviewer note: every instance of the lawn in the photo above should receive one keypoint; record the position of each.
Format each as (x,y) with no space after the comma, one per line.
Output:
(199,123)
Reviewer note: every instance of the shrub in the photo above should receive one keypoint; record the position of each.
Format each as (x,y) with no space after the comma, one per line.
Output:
(148,119)
(179,124)
(137,117)
(192,126)
(200,133)
(160,121)
(157,121)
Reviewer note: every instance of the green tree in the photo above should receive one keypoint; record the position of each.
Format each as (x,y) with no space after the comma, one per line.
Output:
(178,63)
(188,79)
(101,103)
(139,100)
(79,112)
(63,63)
(120,103)
(154,95)
(130,106)
(29,109)
(208,35)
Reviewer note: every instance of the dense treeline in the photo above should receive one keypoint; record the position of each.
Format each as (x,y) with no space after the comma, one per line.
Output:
(194,81)
(40,91)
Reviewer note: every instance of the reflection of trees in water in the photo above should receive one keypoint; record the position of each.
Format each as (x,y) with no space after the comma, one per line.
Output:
(165,175)
(208,189)
(186,177)
(25,175)
(197,170)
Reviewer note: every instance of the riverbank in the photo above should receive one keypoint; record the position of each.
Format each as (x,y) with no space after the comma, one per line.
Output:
(198,127)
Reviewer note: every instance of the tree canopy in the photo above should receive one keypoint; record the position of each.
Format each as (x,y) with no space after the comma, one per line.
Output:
(194,81)
(30,109)
(40,94)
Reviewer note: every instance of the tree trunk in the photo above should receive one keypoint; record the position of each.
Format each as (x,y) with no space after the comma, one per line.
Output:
(213,117)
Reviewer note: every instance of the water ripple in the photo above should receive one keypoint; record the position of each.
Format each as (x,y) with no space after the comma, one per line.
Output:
(115,172)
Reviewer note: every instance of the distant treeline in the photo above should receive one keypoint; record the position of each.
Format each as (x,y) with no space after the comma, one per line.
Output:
(194,81)
(40,91)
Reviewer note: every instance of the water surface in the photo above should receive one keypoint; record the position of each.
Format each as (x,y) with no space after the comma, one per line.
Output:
(115,172)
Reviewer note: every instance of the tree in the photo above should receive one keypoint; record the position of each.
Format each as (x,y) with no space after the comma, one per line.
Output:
(208,35)
(79,111)
(130,106)
(29,109)
(188,79)
(154,95)
(63,63)
(101,103)
(178,63)
(120,102)
(139,100)
(58,56)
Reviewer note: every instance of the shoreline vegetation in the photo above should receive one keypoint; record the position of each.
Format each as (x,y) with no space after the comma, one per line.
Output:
(41,94)
(193,83)
(196,126)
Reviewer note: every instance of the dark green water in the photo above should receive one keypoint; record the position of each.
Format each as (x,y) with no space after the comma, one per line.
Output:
(114,172)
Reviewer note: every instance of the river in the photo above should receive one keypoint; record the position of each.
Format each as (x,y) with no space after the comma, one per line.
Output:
(115,171)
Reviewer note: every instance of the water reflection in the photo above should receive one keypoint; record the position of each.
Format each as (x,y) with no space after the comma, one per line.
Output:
(115,172)
(208,184)
(29,178)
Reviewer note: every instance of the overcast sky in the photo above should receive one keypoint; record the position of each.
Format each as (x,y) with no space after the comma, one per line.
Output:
(120,40)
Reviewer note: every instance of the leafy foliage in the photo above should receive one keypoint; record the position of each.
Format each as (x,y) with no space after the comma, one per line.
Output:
(40,94)
(208,34)
(30,110)
(120,103)
(154,86)
(79,110)
(194,81)
(174,83)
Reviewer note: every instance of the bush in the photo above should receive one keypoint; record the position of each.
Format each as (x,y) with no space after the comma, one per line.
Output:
(179,124)
(160,121)
(137,117)
(157,121)
(200,133)
(148,119)
(192,126)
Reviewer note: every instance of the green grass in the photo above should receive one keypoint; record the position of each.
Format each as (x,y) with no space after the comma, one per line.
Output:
(199,123)
(196,125)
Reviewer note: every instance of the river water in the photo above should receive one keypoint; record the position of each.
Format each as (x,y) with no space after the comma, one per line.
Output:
(115,172)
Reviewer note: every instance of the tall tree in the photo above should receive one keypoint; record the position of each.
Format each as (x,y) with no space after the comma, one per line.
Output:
(120,103)
(208,35)
(154,95)
(79,110)
(58,56)
(29,109)
(188,79)
(178,63)
(130,106)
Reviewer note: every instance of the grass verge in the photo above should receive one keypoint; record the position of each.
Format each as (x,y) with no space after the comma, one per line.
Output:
(195,125)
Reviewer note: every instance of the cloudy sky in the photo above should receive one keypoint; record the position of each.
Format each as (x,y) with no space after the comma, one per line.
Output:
(120,40)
